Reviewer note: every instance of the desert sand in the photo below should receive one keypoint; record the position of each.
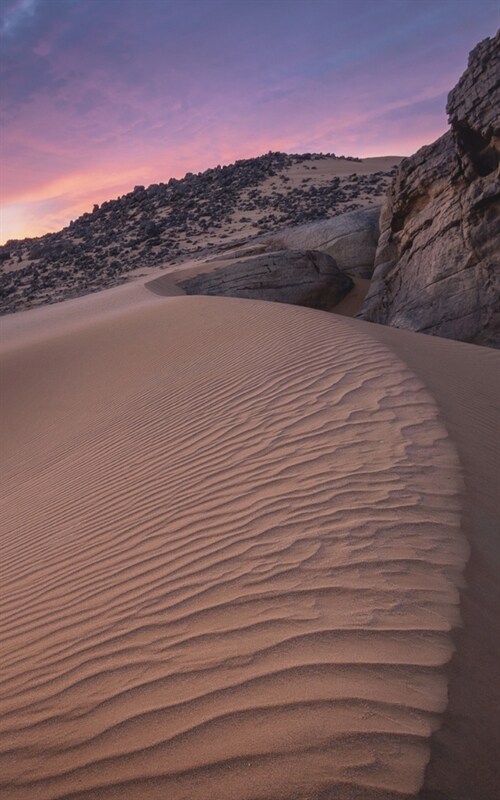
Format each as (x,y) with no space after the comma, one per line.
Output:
(247,552)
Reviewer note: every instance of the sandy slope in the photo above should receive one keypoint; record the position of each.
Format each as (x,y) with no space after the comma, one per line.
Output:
(320,173)
(465,381)
(231,554)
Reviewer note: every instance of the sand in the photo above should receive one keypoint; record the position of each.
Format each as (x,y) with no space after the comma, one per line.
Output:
(465,380)
(235,554)
(320,173)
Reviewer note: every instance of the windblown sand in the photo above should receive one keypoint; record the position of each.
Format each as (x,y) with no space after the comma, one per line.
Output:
(232,554)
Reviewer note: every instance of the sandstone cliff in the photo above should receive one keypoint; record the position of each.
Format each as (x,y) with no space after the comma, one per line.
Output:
(351,239)
(304,278)
(437,263)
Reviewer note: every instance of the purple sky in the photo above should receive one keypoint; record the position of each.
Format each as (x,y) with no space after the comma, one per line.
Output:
(100,95)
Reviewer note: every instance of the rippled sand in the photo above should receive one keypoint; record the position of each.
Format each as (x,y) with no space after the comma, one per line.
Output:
(232,554)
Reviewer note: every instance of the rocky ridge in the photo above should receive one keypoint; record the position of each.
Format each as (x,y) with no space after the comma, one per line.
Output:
(437,265)
(167,223)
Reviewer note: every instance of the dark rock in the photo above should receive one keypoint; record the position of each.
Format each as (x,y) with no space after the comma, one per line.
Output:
(437,265)
(151,230)
(305,278)
(184,212)
(473,110)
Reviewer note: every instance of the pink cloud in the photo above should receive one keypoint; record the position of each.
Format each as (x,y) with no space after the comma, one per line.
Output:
(97,101)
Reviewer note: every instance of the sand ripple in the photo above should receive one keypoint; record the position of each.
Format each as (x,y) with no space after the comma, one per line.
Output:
(230,560)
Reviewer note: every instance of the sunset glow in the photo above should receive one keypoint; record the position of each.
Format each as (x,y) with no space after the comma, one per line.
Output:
(100,95)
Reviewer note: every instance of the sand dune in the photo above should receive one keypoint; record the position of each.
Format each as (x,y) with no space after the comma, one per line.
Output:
(231,554)
(465,380)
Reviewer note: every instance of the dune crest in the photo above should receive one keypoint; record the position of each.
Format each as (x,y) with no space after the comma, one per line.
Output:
(231,567)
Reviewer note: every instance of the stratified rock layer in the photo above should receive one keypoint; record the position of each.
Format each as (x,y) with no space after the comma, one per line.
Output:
(304,278)
(351,239)
(437,263)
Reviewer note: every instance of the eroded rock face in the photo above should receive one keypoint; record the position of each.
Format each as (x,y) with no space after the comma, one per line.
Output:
(351,239)
(305,278)
(437,266)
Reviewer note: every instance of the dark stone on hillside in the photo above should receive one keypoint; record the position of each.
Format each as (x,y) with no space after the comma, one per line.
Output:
(151,230)
(196,213)
(437,265)
(304,278)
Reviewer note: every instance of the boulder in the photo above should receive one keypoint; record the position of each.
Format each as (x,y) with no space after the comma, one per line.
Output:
(304,278)
(351,239)
(437,263)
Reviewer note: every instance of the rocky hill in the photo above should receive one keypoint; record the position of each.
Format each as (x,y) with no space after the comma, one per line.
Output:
(437,267)
(165,223)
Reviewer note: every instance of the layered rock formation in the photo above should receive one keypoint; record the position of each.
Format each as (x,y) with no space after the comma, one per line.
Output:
(351,239)
(437,264)
(304,278)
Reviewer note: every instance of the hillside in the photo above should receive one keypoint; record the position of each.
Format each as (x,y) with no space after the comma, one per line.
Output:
(166,223)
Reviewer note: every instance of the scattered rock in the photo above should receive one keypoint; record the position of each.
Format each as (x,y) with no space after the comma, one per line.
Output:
(166,223)
(304,278)
(437,265)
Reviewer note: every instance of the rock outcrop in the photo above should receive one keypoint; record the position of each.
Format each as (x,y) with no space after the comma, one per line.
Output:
(437,265)
(167,223)
(351,239)
(304,278)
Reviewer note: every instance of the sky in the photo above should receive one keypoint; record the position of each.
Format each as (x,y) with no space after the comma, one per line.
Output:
(98,96)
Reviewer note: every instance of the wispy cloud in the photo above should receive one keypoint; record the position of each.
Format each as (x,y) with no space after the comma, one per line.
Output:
(15,14)
(100,92)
